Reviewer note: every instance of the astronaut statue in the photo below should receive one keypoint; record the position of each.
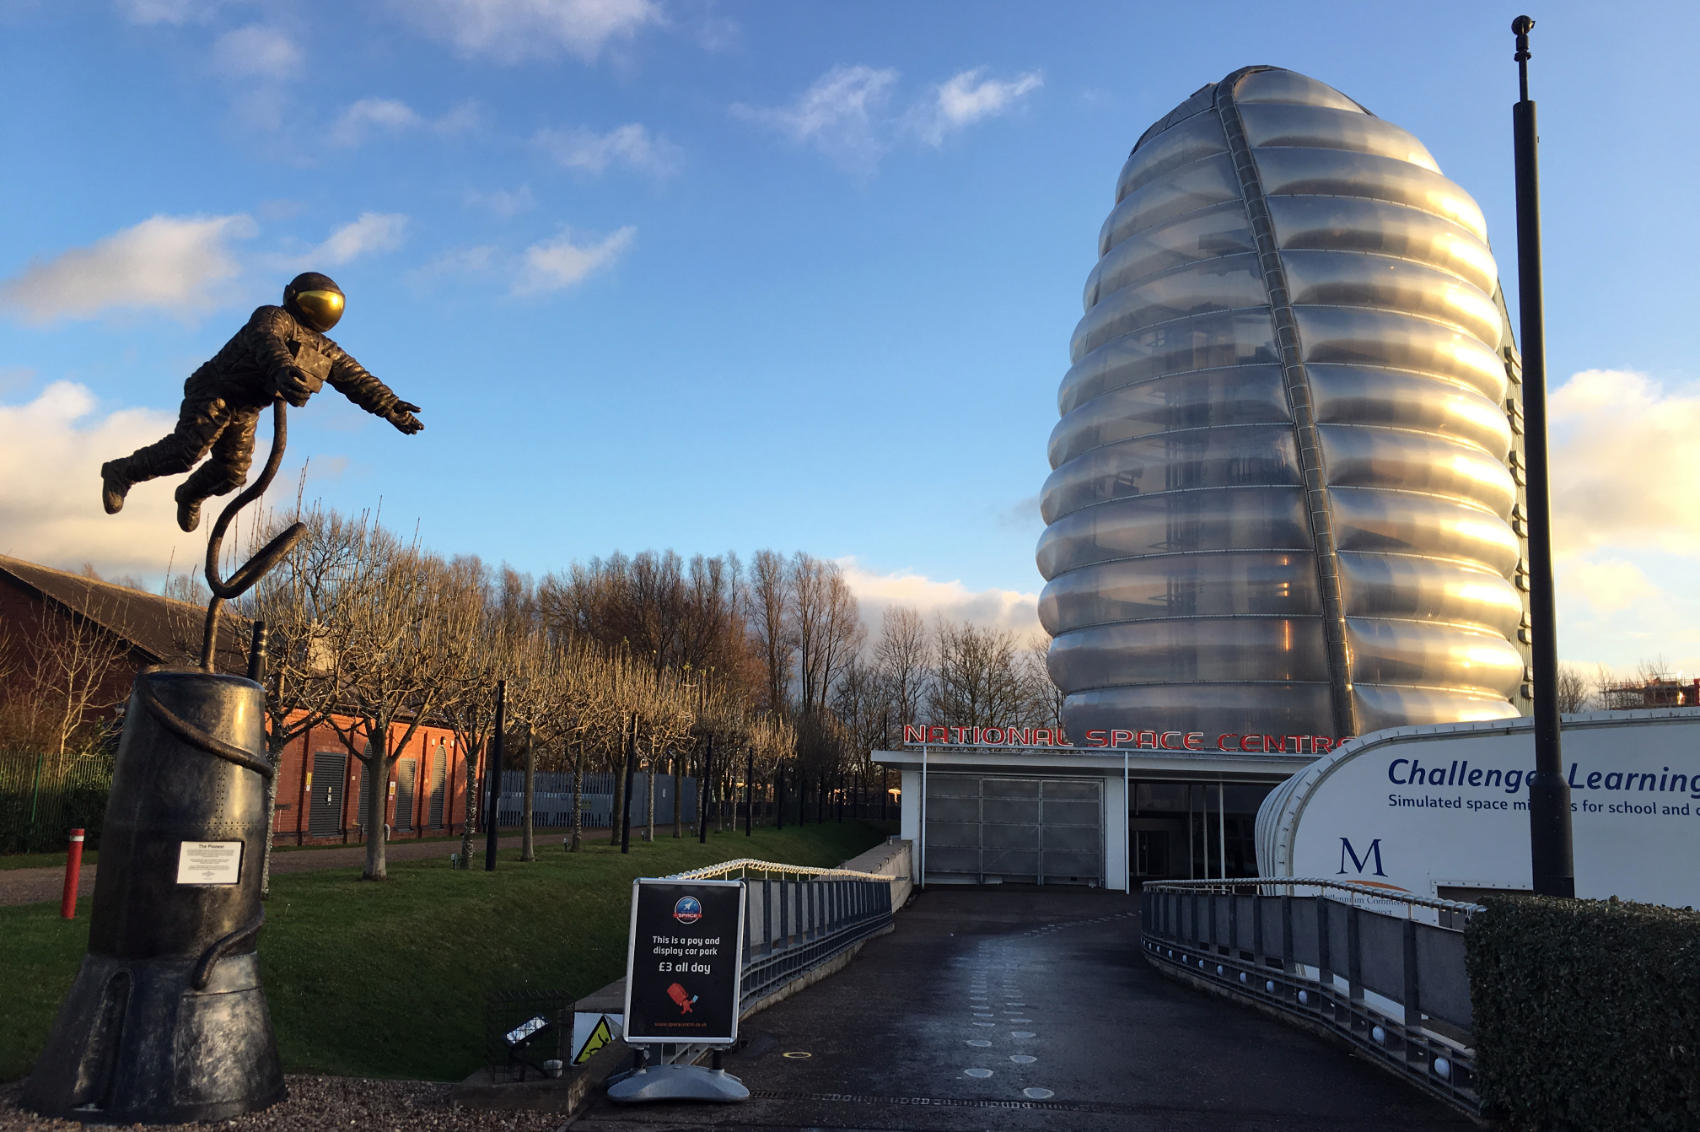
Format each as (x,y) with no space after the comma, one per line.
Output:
(281,352)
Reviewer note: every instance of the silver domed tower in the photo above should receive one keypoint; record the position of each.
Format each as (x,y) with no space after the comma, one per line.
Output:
(1286,494)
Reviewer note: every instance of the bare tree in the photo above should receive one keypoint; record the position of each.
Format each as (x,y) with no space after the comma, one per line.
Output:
(71,667)
(979,682)
(473,613)
(1574,692)
(829,630)
(772,626)
(1043,695)
(293,602)
(393,660)
(903,661)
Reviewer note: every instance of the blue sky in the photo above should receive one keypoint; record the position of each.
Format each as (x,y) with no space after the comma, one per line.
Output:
(724,276)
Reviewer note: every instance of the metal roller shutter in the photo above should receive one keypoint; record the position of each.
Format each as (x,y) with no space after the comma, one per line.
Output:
(324,808)
(1021,830)
(406,772)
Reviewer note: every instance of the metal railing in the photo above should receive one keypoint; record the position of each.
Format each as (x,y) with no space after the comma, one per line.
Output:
(1382,969)
(796,918)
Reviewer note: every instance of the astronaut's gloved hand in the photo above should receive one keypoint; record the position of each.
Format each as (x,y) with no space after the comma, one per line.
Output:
(295,385)
(401,415)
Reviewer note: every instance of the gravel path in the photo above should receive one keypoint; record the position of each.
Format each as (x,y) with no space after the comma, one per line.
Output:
(36,886)
(323,1103)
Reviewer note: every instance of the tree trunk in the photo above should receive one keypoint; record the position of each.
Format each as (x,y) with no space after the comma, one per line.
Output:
(528,840)
(471,816)
(271,819)
(678,795)
(649,789)
(377,800)
(578,799)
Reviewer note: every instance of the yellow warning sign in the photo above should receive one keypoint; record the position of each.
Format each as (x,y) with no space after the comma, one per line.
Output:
(599,1037)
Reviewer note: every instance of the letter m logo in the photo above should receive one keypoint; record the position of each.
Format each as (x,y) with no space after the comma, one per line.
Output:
(1373,853)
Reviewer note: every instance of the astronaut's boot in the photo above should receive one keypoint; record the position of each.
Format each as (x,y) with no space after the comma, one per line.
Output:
(114,485)
(188,506)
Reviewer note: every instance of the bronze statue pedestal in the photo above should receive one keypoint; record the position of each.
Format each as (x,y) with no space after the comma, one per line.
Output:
(167,1022)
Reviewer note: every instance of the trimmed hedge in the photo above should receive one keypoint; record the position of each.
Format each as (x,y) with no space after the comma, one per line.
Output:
(1587,1013)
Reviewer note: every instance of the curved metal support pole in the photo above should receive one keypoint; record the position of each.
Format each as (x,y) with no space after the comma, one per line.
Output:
(222,947)
(194,736)
(269,556)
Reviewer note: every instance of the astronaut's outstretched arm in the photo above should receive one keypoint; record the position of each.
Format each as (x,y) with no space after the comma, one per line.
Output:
(355,382)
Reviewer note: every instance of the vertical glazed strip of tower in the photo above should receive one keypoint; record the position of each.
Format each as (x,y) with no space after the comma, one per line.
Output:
(1297,386)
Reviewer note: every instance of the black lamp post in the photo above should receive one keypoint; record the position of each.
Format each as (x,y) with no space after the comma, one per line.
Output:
(1549,795)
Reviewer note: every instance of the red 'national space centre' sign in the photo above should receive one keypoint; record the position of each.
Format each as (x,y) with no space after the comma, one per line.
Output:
(932,735)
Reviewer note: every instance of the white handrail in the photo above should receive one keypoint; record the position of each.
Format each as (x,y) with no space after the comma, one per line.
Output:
(749,863)
(1320,882)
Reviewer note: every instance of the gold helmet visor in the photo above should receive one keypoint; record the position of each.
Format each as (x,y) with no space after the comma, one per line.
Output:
(322,308)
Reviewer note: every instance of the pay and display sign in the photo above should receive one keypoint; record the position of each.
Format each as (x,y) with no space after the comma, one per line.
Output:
(685,961)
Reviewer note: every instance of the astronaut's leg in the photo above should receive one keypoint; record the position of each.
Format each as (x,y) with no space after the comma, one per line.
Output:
(199,424)
(232,453)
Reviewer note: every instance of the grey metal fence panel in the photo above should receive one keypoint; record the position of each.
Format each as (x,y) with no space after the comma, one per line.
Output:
(1381,945)
(552,800)
(1305,948)
(1245,924)
(1443,984)
(1393,984)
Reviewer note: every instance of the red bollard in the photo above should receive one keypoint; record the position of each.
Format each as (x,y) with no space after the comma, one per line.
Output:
(73,867)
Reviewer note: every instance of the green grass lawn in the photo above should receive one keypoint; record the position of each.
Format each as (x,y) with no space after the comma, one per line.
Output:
(53,860)
(390,979)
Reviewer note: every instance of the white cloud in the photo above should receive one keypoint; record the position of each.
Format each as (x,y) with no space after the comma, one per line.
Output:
(57,519)
(512,31)
(391,115)
(505,203)
(967,98)
(256,52)
(1625,532)
(841,114)
(630,145)
(169,11)
(480,259)
(1624,464)
(559,263)
(167,263)
(1604,586)
(370,233)
(369,114)
(995,609)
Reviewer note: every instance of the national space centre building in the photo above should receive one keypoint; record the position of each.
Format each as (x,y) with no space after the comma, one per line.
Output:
(1287,499)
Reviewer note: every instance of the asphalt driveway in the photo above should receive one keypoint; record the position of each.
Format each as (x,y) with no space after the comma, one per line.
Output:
(1029,1008)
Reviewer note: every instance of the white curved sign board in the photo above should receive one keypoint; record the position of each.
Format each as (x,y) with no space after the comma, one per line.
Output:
(1421,809)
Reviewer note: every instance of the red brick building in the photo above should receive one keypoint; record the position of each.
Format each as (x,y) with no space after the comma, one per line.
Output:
(319,795)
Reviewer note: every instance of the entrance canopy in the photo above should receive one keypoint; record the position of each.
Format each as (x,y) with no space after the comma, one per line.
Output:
(1057,815)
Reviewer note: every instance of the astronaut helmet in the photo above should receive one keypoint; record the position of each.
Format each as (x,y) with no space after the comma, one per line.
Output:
(315,300)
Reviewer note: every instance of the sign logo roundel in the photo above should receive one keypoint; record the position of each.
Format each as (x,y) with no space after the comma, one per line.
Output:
(688,910)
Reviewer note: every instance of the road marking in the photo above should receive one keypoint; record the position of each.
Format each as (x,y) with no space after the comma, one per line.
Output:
(979,1043)
(1022,1034)
(797,1054)
(1022,1058)
(1037,1094)
(977,1073)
